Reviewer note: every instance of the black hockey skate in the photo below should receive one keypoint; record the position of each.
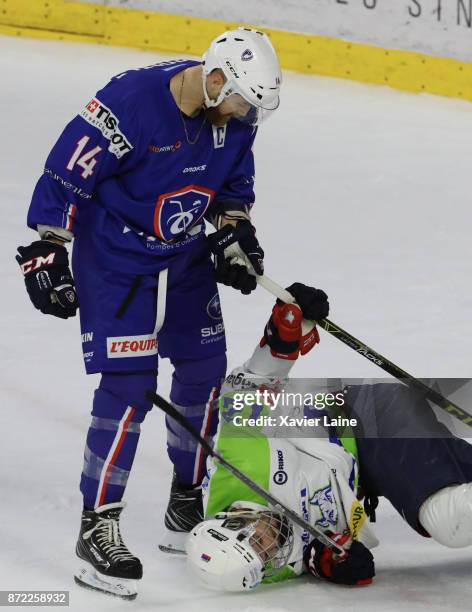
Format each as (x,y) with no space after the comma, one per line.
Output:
(106,563)
(184,511)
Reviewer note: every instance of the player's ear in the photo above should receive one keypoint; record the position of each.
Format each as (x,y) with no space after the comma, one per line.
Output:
(215,81)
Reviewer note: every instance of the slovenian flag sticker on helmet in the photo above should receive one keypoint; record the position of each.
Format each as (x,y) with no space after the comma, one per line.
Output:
(247,55)
(206,557)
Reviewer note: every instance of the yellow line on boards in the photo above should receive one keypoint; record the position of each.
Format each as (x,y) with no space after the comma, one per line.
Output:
(81,22)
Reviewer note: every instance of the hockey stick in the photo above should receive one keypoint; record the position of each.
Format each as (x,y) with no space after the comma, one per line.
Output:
(166,407)
(361,348)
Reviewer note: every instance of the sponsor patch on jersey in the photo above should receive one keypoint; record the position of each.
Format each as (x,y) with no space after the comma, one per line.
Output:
(324,500)
(172,148)
(214,307)
(76,190)
(101,117)
(201,168)
(178,211)
(131,346)
(280,477)
(213,330)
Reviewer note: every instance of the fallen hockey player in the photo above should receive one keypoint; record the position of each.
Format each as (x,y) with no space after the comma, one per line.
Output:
(398,450)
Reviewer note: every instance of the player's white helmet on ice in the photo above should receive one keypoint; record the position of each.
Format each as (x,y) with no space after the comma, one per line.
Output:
(236,550)
(252,70)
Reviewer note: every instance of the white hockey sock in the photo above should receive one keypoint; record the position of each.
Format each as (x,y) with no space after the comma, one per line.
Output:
(447,516)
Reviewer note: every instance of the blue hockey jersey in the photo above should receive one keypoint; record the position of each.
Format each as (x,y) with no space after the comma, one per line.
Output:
(124,174)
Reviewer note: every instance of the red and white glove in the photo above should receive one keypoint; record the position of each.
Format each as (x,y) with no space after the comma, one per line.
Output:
(291,330)
(355,568)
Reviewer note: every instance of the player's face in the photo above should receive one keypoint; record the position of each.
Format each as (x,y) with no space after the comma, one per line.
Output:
(216,117)
(234,106)
(265,540)
(269,535)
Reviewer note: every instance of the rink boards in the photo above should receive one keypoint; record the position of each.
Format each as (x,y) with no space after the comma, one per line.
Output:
(173,33)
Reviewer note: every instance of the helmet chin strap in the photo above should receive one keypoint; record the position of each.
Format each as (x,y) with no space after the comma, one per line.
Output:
(209,103)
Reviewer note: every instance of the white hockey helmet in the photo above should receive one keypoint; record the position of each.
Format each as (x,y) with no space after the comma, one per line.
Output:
(252,70)
(236,550)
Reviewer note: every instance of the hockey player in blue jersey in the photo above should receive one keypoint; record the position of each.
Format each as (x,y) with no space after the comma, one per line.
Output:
(131,179)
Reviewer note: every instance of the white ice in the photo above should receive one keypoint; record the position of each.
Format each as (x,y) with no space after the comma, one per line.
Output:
(362,191)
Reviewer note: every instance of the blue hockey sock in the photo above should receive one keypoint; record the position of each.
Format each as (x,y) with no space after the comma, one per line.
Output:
(119,407)
(195,388)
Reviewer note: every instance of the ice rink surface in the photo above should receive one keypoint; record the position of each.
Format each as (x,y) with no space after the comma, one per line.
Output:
(362,191)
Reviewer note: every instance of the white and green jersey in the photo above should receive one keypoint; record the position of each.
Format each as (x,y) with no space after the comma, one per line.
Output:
(315,477)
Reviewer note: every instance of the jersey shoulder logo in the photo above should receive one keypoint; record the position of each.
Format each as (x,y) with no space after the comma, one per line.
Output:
(178,211)
(326,503)
(101,117)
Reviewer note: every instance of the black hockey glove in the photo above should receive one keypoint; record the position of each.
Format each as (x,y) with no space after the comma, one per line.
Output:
(48,279)
(244,246)
(355,569)
(313,302)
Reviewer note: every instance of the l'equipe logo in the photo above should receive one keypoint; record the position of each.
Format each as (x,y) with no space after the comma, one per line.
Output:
(131,346)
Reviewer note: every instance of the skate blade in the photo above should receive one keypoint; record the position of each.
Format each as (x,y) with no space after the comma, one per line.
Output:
(173,542)
(89,578)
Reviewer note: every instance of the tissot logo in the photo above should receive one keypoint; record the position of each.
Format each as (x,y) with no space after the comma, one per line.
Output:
(101,117)
(93,105)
